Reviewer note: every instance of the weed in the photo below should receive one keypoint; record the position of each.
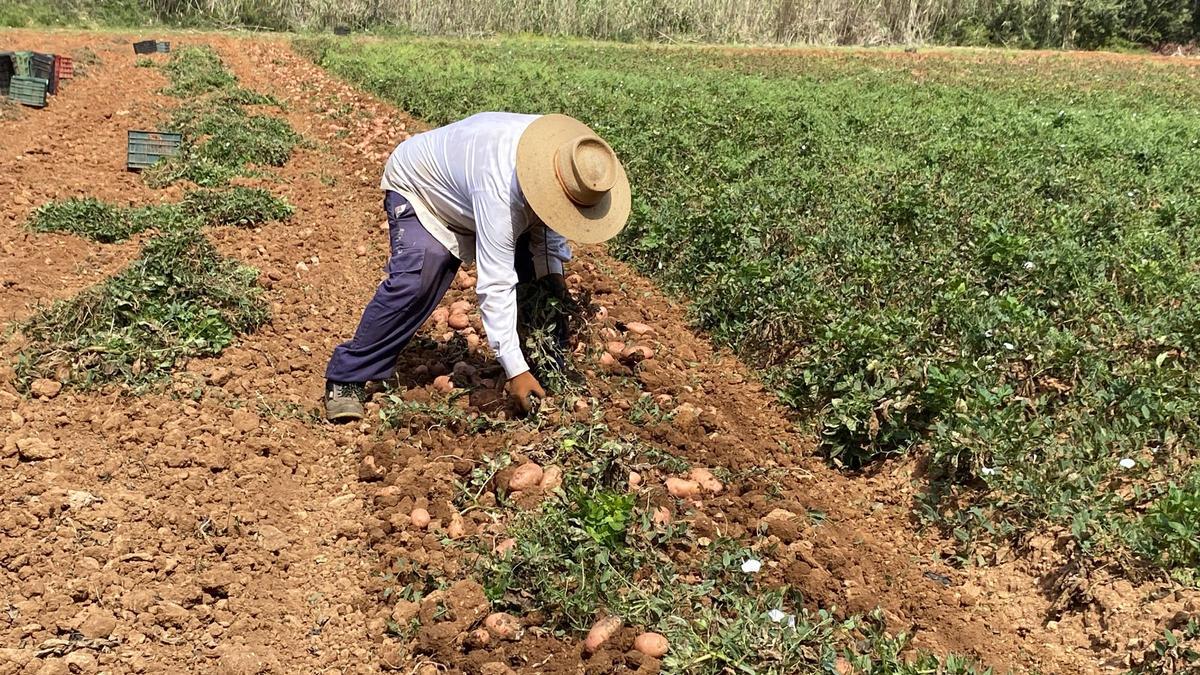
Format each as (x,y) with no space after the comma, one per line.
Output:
(145,62)
(89,217)
(397,413)
(180,298)
(1177,651)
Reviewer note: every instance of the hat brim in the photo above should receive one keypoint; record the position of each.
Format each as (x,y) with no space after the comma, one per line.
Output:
(539,183)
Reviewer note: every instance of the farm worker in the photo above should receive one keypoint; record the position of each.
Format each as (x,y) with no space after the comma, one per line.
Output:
(469,191)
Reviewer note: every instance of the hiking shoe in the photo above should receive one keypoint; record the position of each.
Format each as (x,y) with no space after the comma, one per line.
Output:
(344,401)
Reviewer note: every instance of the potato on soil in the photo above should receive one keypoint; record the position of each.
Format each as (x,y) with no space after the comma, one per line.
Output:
(601,631)
(635,479)
(551,478)
(661,517)
(458,321)
(440,315)
(460,307)
(443,384)
(503,626)
(616,348)
(527,476)
(419,518)
(504,546)
(477,638)
(707,480)
(683,488)
(651,644)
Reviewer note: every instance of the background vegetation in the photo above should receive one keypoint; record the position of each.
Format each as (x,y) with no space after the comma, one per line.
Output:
(995,261)
(1086,24)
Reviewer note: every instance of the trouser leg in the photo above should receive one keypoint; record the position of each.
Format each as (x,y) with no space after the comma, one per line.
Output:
(419,270)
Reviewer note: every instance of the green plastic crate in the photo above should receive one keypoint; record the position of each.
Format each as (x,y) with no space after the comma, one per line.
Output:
(21,63)
(29,91)
(147,147)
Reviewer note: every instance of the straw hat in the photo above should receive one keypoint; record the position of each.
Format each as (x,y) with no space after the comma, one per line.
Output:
(572,179)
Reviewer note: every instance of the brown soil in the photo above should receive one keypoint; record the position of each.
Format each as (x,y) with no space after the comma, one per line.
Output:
(218,526)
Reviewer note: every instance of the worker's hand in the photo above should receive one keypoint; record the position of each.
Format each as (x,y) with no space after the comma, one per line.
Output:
(524,388)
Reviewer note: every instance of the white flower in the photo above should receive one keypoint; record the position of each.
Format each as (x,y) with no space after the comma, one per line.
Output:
(1009,346)
(987,471)
(1127,463)
(777,615)
(751,566)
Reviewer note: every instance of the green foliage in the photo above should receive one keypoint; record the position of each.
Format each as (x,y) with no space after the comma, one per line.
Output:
(995,259)
(106,223)
(1169,532)
(221,139)
(241,206)
(197,70)
(179,299)
(604,515)
(1177,651)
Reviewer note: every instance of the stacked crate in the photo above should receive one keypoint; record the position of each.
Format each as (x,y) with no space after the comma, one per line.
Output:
(42,66)
(7,70)
(64,67)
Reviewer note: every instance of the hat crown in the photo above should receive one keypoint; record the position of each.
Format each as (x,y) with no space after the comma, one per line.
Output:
(587,169)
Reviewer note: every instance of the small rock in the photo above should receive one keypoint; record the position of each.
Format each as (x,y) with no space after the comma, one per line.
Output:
(368,471)
(98,623)
(272,538)
(46,388)
(245,421)
(35,449)
(80,662)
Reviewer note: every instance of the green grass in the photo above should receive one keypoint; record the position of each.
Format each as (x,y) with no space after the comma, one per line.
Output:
(990,258)
(99,221)
(180,298)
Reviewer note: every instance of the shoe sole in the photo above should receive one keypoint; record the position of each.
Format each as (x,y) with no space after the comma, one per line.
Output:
(344,417)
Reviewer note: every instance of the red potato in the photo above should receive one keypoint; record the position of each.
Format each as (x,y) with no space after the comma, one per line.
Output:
(574,280)
(504,546)
(460,307)
(601,631)
(458,321)
(602,313)
(440,315)
(651,644)
(478,638)
(683,488)
(473,342)
(503,625)
(638,350)
(419,518)
(551,478)
(635,479)
(443,384)
(615,347)
(638,328)
(607,360)
(527,476)
(706,480)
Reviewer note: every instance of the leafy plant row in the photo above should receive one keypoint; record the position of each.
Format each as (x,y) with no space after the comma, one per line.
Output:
(995,260)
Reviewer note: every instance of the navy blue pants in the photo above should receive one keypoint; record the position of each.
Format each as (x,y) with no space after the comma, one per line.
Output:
(419,271)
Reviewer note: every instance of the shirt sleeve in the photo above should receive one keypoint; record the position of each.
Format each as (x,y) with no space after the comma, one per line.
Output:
(549,250)
(497,222)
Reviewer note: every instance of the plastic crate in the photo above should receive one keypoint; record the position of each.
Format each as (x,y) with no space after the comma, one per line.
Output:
(30,91)
(145,47)
(42,65)
(147,147)
(21,63)
(162,47)
(6,72)
(64,67)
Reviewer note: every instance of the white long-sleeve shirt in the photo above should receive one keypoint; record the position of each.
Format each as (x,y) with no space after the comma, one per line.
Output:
(461,180)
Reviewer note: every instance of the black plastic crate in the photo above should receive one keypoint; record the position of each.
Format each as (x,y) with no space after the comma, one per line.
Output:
(42,66)
(7,70)
(145,47)
(30,91)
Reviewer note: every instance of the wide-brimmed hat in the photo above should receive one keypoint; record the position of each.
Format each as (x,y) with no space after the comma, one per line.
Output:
(572,179)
